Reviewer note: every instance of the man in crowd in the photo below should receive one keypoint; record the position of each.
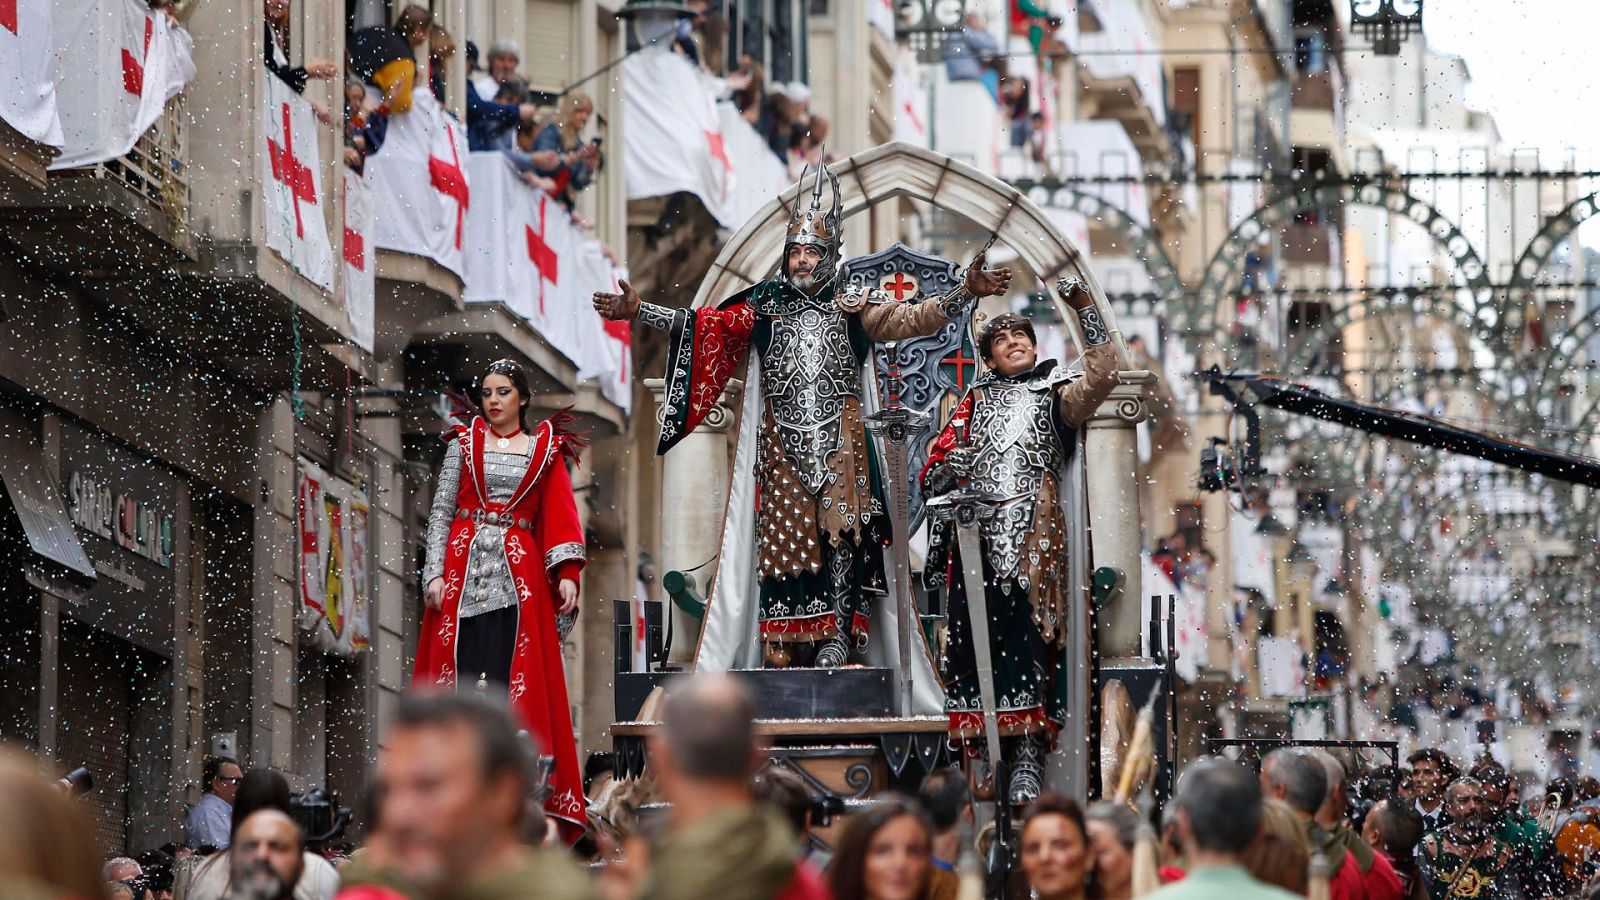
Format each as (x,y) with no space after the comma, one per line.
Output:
(127,872)
(454,783)
(1393,828)
(1431,770)
(1217,811)
(504,58)
(947,797)
(720,843)
(267,860)
(1298,779)
(1464,858)
(1378,879)
(1531,849)
(211,819)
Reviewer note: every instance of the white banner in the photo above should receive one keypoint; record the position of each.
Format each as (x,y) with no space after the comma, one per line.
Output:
(28,98)
(420,186)
(526,253)
(291,182)
(761,176)
(910,114)
(360,279)
(334,525)
(117,63)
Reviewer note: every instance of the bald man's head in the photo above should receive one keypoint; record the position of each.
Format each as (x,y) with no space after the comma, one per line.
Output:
(709,726)
(266,855)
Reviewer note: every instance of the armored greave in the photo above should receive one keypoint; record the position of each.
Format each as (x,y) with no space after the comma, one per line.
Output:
(1025,768)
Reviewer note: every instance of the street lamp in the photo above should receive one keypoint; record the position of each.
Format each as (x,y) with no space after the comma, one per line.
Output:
(1386,23)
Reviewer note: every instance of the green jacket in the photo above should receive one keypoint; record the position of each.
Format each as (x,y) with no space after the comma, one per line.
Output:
(1225,882)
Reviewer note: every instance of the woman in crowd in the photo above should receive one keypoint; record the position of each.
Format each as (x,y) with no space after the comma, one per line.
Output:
(211,878)
(505,549)
(1055,849)
(885,853)
(1113,828)
(45,846)
(578,162)
(1280,855)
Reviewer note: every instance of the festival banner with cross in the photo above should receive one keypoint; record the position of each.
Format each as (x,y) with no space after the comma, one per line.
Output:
(421,186)
(28,104)
(290,175)
(333,523)
(116,64)
(934,370)
(360,275)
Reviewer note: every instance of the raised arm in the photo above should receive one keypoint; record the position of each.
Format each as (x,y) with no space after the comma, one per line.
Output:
(890,321)
(1077,401)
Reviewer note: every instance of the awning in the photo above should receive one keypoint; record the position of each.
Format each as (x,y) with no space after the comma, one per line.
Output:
(37,502)
(1297,398)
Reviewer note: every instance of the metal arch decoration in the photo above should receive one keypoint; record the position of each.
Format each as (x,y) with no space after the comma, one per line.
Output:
(1556,229)
(1142,243)
(1225,263)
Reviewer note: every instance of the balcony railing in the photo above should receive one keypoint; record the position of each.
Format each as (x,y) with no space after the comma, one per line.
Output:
(156,169)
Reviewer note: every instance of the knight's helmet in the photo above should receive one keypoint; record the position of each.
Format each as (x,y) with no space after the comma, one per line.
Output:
(816,227)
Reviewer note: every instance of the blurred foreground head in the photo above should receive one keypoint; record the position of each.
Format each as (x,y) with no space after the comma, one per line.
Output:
(452,781)
(44,837)
(707,736)
(1218,807)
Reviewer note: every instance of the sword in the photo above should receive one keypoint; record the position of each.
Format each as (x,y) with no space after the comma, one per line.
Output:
(968,509)
(895,423)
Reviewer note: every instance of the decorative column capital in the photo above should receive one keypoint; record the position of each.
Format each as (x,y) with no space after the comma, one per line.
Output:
(718,419)
(1127,404)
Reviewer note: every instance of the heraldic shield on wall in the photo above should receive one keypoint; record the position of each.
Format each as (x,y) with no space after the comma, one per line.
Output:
(934,370)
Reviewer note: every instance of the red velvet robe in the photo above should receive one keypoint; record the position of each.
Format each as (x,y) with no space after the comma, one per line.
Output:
(539,555)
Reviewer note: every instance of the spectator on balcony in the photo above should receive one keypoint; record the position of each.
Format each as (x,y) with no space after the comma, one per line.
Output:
(807,144)
(1017,101)
(784,110)
(504,59)
(492,123)
(364,128)
(384,57)
(970,54)
(578,161)
(747,88)
(441,46)
(276,55)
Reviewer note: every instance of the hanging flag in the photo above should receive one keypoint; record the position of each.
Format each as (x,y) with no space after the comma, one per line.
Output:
(421,189)
(641,628)
(360,279)
(333,520)
(290,175)
(28,103)
(117,64)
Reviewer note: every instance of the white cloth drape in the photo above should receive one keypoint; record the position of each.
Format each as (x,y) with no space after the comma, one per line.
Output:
(27,87)
(419,182)
(360,277)
(117,63)
(290,175)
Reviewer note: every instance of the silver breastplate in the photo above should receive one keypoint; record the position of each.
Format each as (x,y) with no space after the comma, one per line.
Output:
(1013,431)
(807,373)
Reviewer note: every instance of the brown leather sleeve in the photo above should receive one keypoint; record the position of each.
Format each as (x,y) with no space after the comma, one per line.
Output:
(899,321)
(1077,401)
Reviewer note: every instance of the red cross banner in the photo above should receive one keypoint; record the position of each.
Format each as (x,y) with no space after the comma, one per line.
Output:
(117,65)
(333,521)
(421,185)
(681,139)
(28,103)
(360,277)
(293,202)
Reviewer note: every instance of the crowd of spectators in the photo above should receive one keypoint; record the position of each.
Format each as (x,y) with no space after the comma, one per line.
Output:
(455,813)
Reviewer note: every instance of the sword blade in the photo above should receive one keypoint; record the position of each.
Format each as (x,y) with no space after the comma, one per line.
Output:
(970,545)
(899,512)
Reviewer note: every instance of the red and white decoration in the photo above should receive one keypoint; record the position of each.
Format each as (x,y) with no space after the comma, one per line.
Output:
(525,252)
(360,279)
(333,521)
(28,101)
(117,63)
(291,183)
(910,113)
(679,138)
(420,185)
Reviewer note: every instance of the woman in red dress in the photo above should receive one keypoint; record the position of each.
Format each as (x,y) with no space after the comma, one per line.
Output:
(504,552)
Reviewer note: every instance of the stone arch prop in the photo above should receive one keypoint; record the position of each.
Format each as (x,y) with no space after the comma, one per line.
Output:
(1220,273)
(895,170)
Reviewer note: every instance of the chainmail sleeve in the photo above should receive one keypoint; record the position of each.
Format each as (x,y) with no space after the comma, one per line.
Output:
(443,512)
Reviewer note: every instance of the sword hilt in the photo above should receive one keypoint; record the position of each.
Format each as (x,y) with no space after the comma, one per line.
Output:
(892,348)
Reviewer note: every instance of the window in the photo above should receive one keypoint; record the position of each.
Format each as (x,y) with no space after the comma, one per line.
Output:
(1186,99)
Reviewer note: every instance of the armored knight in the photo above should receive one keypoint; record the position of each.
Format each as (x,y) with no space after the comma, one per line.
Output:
(819,524)
(1010,439)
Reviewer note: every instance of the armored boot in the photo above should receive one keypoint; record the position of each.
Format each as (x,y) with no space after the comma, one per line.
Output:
(834,652)
(1026,770)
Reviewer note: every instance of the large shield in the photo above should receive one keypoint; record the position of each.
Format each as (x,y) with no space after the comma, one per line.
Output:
(932,369)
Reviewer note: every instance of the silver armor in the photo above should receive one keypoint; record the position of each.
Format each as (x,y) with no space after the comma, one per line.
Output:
(488,584)
(807,373)
(1014,434)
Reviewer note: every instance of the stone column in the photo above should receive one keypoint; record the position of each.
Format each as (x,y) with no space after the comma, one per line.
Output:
(694,490)
(1113,475)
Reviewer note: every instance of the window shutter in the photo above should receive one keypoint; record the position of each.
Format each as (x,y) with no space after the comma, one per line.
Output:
(549,54)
